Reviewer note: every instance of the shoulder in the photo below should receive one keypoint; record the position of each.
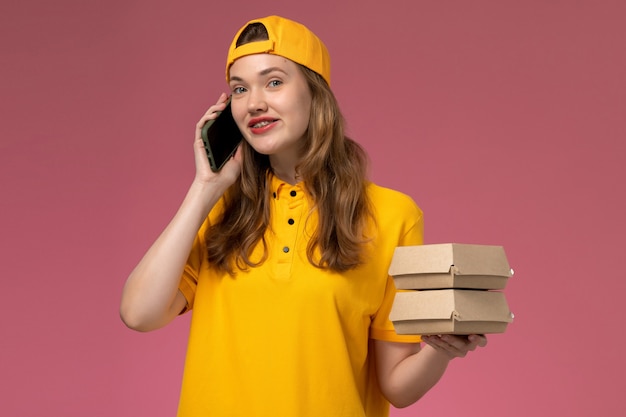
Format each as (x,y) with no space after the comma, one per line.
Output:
(388,202)
(398,220)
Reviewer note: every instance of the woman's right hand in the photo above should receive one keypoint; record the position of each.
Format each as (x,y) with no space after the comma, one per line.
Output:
(231,170)
(151,297)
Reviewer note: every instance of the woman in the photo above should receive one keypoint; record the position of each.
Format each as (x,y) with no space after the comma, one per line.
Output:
(283,255)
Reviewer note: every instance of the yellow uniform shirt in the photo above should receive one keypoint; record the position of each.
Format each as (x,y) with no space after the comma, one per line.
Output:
(287,339)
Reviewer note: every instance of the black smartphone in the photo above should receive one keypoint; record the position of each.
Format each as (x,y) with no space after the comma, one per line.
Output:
(221,136)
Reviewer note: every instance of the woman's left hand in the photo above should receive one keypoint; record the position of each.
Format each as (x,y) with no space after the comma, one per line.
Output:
(455,346)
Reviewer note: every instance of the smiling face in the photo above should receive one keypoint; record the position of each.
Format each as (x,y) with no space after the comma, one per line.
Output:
(271,103)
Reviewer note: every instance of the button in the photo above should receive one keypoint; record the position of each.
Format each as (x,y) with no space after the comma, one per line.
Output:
(290,221)
(292,193)
(274,194)
(286,249)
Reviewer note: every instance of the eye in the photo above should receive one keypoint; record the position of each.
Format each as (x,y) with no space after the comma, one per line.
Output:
(238,90)
(274,83)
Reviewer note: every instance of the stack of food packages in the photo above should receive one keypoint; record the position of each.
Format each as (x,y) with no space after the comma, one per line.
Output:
(450,288)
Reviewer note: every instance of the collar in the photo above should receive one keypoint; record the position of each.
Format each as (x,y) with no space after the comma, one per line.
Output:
(280,189)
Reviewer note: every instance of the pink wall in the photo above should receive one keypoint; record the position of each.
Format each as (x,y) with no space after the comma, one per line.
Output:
(504,120)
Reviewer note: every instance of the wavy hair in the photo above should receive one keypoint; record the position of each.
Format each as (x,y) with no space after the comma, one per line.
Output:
(333,168)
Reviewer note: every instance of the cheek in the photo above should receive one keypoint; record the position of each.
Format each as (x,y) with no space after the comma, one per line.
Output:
(304,105)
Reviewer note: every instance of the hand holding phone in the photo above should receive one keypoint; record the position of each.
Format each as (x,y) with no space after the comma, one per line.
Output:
(221,137)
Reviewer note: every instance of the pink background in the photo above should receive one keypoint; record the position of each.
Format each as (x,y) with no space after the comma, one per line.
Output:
(504,120)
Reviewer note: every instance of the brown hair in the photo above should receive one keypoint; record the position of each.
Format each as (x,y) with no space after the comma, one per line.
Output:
(333,168)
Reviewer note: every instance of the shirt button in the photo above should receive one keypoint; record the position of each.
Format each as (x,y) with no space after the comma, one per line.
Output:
(292,193)
(286,249)
(290,221)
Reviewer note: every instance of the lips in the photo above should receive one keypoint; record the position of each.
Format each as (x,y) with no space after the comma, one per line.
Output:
(261,124)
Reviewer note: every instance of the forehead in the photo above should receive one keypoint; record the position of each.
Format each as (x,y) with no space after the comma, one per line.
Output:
(256,65)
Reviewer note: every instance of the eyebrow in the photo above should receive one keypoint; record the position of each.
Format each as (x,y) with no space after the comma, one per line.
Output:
(262,73)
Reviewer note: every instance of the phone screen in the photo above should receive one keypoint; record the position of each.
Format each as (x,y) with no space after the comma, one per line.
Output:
(221,136)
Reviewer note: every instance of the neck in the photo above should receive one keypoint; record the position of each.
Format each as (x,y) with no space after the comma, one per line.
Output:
(285,169)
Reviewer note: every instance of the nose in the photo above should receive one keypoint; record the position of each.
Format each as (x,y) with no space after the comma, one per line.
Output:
(256,102)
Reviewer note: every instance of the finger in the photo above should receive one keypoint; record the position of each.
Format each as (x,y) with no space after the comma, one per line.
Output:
(205,118)
(436,340)
(213,111)
(220,101)
(453,346)
(440,343)
(457,344)
(479,340)
(433,344)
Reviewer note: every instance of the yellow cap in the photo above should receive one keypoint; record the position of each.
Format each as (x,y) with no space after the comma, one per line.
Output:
(288,39)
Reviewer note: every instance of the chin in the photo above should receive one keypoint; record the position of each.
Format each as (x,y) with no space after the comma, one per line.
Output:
(263,148)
